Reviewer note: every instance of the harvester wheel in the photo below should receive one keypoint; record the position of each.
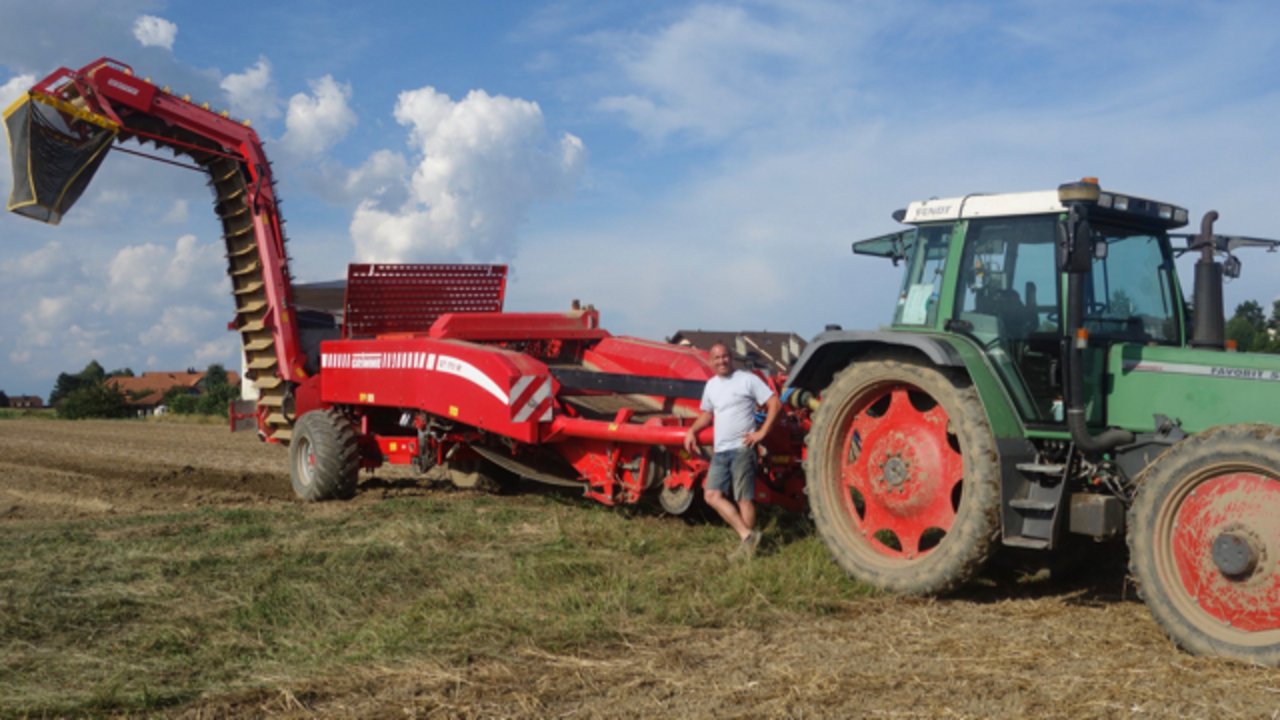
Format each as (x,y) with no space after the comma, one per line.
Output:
(676,500)
(324,458)
(1204,542)
(903,477)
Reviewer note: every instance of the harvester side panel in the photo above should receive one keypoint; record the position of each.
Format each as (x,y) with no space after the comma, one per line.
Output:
(498,390)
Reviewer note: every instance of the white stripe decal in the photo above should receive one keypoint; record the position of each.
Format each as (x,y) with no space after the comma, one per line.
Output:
(518,389)
(465,370)
(542,393)
(1203,370)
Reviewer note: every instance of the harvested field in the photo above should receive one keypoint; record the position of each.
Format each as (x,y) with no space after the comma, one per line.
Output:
(155,568)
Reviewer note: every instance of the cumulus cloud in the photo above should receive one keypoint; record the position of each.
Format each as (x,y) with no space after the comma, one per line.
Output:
(252,93)
(47,263)
(183,325)
(383,176)
(9,92)
(482,162)
(315,122)
(717,70)
(152,31)
(141,276)
(177,213)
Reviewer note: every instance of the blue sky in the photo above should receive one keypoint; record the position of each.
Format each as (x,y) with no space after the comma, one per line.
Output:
(678,165)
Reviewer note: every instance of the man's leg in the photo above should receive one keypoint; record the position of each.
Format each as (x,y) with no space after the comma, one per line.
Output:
(744,485)
(719,480)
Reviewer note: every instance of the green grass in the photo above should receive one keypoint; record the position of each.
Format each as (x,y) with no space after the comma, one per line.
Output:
(15,414)
(144,613)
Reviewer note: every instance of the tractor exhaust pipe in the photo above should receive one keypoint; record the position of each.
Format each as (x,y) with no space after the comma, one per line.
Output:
(1209,328)
(1076,252)
(1085,441)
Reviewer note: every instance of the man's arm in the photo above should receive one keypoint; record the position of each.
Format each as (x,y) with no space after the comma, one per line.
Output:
(772,406)
(691,437)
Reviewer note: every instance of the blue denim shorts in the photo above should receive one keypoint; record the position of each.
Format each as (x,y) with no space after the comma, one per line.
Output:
(736,466)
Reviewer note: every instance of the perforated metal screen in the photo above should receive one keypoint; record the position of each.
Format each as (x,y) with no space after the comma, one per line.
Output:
(384,298)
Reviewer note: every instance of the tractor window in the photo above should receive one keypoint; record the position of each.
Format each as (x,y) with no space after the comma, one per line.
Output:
(918,302)
(1008,302)
(1128,295)
(1008,283)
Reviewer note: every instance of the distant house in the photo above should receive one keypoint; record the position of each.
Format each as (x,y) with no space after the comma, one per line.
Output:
(146,391)
(26,402)
(755,349)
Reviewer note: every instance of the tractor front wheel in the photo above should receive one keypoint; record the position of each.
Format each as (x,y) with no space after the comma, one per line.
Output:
(324,457)
(1204,542)
(903,477)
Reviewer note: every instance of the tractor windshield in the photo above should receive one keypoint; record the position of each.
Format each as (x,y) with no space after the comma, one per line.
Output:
(1129,295)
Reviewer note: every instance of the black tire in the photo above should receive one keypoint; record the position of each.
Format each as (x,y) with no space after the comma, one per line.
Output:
(942,420)
(1223,483)
(324,457)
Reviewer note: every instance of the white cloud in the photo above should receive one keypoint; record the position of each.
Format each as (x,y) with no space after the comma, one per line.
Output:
(184,325)
(252,93)
(315,122)
(145,276)
(177,214)
(14,87)
(718,70)
(152,31)
(10,91)
(483,162)
(383,176)
(44,264)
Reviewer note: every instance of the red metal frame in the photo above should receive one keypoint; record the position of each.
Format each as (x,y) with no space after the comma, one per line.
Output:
(430,368)
(108,87)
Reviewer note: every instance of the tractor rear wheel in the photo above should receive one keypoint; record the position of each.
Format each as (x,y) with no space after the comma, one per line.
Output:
(324,458)
(903,477)
(1204,542)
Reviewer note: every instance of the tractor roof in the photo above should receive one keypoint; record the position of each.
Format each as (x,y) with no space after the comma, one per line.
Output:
(1040,202)
(981,205)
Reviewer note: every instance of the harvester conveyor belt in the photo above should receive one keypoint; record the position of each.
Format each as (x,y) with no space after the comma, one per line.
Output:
(511,464)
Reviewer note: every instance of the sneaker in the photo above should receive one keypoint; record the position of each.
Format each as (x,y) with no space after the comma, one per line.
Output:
(746,548)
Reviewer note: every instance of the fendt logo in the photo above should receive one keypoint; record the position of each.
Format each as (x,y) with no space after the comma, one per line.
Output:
(121,86)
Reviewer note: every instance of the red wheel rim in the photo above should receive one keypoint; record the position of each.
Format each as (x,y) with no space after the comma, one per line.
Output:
(1241,505)
(901,471)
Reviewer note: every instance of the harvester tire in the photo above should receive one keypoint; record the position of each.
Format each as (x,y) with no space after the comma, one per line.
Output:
(324,457)
(1204,542)
(903,477)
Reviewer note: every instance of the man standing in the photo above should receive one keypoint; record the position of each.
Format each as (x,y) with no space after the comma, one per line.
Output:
(730,399)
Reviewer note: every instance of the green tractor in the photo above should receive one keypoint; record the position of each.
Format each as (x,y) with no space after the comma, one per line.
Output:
(1044,382)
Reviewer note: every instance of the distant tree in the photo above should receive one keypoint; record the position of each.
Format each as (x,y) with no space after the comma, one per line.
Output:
(1252,330)
(98,400)
(180,400)
(217,393)
(214,398)
(92,374)
(215,376)
(1251,311)
(121,372)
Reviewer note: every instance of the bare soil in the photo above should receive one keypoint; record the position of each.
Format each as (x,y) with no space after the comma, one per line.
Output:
(1089,650)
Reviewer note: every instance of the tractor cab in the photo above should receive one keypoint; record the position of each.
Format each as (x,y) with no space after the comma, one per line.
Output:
(990,268)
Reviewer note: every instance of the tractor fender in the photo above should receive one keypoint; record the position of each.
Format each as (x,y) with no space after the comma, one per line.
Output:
(832,351)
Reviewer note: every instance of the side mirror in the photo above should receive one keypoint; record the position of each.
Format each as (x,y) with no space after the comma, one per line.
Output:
(1075,243)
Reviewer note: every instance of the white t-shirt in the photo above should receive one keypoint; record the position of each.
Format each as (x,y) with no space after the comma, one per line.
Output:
(733,401)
